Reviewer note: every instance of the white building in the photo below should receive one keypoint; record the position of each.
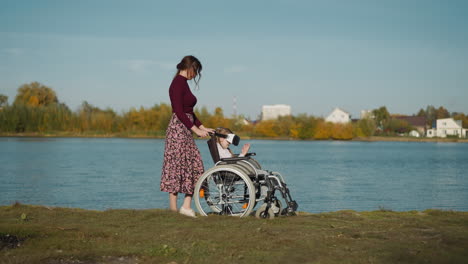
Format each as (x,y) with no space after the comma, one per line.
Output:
(367,114)
(270,112)
(447,127)
(414,133)
(338,116)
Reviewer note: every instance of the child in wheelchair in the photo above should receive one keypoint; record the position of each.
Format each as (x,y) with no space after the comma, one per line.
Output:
(224,138)
(237,183)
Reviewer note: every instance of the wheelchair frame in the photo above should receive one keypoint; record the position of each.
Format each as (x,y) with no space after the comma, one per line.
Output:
(235,186)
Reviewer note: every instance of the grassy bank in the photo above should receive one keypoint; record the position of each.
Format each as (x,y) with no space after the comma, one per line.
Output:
(35,234)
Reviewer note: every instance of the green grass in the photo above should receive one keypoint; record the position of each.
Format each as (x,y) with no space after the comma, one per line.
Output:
(65,235)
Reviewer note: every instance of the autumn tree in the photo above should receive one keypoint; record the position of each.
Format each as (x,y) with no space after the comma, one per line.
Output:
(432,114)
(324,130)
(217,119)
(91,118)
(202,114)
(35,94)
(342,131)
(266,128)
(462,117)
(441,113)
(163,114)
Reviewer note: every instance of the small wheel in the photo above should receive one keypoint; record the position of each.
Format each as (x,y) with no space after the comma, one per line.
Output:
(278,207)
(287,212)
(263,213)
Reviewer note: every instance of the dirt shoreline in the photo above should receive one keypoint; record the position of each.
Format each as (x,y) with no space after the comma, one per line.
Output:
(142,136)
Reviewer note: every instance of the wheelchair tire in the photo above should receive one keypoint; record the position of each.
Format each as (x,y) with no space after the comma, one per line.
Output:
(224,190)
(279,207)
(263,213)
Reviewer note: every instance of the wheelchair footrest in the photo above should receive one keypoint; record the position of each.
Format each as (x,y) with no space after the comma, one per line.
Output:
(290,209)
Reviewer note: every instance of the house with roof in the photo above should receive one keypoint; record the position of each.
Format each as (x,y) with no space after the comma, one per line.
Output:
(447,127)
(338,116)
(418,122)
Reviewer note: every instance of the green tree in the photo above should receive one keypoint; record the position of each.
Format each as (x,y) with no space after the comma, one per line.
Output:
(365,127)
(305,127)
(382,116)
(285,124)
(421,113)
(3,100)
(398,126)
(431,115)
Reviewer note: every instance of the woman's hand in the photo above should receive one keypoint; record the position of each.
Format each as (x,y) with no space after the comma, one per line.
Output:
(199,132)
(245,149)
(209,130)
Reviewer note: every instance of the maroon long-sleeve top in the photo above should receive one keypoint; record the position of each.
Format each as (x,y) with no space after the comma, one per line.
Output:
(183,101)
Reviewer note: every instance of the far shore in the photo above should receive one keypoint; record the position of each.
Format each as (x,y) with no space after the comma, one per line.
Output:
(158,136)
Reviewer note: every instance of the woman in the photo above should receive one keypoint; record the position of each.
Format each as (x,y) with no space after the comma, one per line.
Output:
(182,164)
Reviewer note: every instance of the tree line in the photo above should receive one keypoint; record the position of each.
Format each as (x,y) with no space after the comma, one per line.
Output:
(36,109)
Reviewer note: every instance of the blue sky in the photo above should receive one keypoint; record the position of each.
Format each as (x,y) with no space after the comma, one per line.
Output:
(312,55)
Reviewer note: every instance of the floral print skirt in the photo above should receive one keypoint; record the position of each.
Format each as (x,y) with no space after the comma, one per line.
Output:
(182,164)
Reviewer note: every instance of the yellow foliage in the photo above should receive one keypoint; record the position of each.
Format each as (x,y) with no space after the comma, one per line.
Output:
(342,131)
(33,101)
(295,130)
(324,130)
(266,129)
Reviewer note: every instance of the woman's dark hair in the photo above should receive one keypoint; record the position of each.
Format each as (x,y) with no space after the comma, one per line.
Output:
(190,62)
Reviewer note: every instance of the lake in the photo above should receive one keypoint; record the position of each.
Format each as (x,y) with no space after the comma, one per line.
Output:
(323,176)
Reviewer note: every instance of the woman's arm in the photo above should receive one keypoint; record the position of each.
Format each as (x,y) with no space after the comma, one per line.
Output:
(211,130)
(198,131)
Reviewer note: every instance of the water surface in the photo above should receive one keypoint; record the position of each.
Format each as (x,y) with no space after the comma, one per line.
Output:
(103,173)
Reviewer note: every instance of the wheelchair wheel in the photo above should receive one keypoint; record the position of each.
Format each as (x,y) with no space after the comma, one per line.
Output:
(278,207)
(255,163)
(224,190)
(263,213)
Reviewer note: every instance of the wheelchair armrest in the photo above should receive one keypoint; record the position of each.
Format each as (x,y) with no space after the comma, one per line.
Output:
(234,159)
(237,158)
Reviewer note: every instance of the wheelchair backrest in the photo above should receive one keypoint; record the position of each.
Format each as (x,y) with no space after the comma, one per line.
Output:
(213,148)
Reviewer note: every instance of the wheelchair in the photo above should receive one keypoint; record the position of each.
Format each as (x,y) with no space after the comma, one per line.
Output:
(236,186)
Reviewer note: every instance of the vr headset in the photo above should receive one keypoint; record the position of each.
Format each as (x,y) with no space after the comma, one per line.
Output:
(231,138)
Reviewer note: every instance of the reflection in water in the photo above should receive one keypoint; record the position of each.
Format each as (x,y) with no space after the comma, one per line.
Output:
(322,176)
